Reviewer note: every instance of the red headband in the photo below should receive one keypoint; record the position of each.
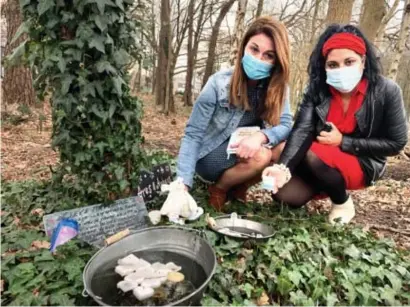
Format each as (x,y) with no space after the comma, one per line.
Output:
(344,41)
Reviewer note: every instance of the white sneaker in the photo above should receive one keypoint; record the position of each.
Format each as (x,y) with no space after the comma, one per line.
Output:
(344,212)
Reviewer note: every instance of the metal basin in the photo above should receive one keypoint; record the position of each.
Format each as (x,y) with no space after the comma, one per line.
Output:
(186,247)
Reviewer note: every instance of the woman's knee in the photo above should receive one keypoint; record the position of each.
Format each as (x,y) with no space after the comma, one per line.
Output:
(262,158)
(282,197)
(259,161)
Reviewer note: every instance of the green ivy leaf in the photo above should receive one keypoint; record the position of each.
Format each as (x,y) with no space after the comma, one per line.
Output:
(23,3)
(284,285)
(247,288)
(65,84)
(121,57)
(119,173)
(118,82)
(388,294)
(295,277)
(111,110)
(44,6)
(123,184)
(105,66)
(45,256)
(101,4)
(73,267)
(120,4)
(61,64)
(402,270)
(394,280)
(61,300)
(351,292)
(97,42)
(89,89)
(331,299)
(17,54)
(23,28)
(352,251)
(75,53)
(52,22)
(101,21)
(24,299)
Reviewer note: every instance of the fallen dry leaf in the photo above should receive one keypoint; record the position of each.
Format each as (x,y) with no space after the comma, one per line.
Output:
(16,221)
(40,244)
(40,212)
(241,261)
(263,300)
(36,292)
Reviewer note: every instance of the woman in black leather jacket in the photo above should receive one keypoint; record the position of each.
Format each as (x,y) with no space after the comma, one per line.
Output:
(351,118)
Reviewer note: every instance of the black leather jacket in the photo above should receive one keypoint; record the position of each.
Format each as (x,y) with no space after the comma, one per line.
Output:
(381,129)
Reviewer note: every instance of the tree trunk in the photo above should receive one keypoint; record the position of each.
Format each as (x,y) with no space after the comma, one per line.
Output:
(404,34)
(313,25)
(238,30)
(371,18)
(17,83)
(154,52)
(154,74)
(190,57)
(339,11)
(380,31)
(165,48)
(139,75)
(259,9)
(198,31)
(212,42)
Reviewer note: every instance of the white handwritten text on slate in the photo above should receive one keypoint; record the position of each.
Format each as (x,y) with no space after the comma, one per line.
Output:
(98,221)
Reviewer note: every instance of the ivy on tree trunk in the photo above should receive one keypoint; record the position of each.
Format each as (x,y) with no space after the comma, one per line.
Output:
(81,49)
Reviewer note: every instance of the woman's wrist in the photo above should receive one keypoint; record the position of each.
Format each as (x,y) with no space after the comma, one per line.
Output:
(283,168)
(262,137)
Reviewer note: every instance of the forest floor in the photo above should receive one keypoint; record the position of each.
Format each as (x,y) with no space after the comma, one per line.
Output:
(27,154)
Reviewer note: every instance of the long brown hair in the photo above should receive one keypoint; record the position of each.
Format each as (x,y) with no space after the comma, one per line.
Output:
(272,107)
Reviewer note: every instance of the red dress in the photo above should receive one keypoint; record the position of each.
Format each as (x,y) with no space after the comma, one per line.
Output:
(348,165)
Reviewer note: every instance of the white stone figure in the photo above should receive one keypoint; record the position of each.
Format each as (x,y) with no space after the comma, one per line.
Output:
(179,204)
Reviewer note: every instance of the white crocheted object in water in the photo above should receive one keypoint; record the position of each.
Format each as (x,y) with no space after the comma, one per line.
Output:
(141,276)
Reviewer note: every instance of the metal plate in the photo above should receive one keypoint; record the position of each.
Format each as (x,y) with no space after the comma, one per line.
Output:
(241,227)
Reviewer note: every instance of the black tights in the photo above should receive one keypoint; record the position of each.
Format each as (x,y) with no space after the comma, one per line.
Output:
(311,177)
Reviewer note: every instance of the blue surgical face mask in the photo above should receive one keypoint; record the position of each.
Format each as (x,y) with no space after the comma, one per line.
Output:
(344,79)
(256,69)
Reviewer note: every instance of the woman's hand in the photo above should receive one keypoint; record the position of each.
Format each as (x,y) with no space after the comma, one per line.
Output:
(332,138)
(250,145)
(281,175)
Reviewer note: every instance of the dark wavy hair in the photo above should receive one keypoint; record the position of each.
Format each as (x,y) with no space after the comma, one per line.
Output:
(316,68)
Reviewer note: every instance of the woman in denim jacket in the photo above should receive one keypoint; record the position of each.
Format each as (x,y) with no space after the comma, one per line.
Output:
(253,93)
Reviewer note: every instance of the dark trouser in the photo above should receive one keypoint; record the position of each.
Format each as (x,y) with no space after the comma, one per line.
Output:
(312,177)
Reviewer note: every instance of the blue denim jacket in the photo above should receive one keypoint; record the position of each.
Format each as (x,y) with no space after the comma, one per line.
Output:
(212,122)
